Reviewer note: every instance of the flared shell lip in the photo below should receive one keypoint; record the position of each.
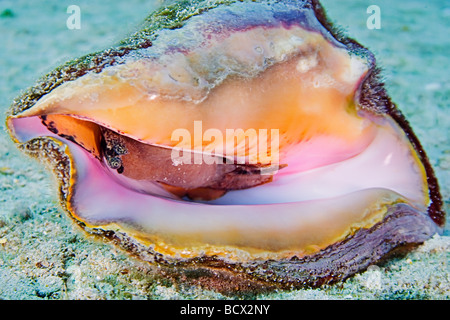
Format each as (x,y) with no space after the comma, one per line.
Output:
(255,275)
(97,62)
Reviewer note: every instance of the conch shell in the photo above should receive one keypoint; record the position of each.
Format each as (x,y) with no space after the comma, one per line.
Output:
(237,144)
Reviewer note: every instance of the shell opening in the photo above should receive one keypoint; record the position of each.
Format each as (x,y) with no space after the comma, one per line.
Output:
(333,168)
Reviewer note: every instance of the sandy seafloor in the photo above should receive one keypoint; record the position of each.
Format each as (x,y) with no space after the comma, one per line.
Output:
(44,255)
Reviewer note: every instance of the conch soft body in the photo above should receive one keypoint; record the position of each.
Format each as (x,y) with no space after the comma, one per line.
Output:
(236,144)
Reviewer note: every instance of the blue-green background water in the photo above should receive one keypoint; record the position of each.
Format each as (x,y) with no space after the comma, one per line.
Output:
(44,256)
